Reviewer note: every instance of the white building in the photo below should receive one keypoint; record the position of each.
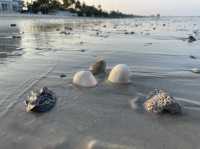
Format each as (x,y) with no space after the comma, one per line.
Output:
(10,6)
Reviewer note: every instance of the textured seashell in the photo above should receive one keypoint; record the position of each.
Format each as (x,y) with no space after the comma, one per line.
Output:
(98,68)
(119,74)
(160,101)
(84,79)
(42,101)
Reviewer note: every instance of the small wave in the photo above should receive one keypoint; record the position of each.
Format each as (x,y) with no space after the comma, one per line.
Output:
(97,144)
(188,101)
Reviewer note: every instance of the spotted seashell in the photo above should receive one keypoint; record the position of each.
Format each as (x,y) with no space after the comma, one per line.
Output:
(160,101)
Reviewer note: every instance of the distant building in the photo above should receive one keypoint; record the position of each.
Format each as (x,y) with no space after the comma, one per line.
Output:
(10,6)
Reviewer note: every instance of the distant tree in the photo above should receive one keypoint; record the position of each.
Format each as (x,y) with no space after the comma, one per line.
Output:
(81,9)
(55,5)
(99,10)
(68,3)
(78,5)
(43,6)
(99,7)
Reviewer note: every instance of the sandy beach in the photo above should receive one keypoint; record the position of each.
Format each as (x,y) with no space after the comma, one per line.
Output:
(157,53)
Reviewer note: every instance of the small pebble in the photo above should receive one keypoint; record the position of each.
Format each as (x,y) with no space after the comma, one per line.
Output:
(62,75)
(193,57)
(68,28)
(16,37)
(191,39)
(97,33)
(13,25)
(82,50)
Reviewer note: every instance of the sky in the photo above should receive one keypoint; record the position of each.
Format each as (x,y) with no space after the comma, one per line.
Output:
(147,7)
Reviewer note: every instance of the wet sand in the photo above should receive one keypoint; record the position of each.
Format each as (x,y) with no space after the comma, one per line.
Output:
(100,117)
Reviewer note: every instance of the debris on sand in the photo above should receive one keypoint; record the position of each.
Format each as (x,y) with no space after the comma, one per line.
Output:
(13,25)
(62,75)
(16,37)
(193,57)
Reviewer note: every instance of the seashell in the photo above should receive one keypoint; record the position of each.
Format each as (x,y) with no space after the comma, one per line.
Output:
(98,68)
(119,74)
(13,25)
(42,101)
(193,57)
(191,39)
(160,101)
(195,70)
(84,79)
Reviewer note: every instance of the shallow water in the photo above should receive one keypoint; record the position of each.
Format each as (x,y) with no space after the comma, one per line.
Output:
(158,58)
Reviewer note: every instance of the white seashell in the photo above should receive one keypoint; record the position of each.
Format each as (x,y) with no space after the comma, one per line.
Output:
(119,74)
(84,79)
(195,70)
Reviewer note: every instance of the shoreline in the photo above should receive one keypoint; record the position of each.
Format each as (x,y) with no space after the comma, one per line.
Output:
(19,15)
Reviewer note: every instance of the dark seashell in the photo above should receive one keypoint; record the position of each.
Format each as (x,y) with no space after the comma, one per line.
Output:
(13,25)
(81,42)
(62,75)
(193,57)
(98,68)
(43,101)
(82,50)
(65,33)
(191,39)
(16,37)
(68,28)
(160,102)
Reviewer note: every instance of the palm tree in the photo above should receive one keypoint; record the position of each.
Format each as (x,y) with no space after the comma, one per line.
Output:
(99,7)
(78,5)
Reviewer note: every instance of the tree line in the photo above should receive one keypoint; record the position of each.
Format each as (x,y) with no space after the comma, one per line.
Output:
(74,6)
